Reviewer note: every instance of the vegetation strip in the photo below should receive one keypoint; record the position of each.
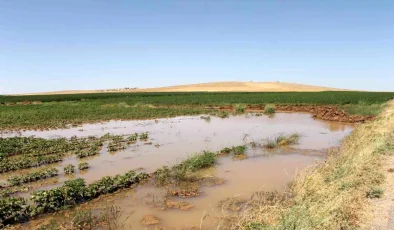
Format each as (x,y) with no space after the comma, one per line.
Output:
(332,195)
(28,152)
(15,209)
(31,177)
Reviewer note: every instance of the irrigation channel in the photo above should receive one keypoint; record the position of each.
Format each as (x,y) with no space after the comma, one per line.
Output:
(173,140)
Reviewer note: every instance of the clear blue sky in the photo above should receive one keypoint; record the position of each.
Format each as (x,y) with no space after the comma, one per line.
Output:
(80,44)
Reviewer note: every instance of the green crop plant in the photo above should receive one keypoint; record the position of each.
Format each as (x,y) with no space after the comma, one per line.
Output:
(133,138)
(226,151)
(144,136)
(83,166)
(198,161)
(13,210)
(69,169)
(239,108)
(238,150)
(31,177)
(24,162)
(269,109)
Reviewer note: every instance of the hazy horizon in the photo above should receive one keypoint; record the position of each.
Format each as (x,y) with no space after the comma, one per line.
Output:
(83,45)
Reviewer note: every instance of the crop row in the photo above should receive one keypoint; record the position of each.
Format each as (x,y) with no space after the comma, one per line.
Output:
(73,192)
(24,162)
(26,152)
(31,177)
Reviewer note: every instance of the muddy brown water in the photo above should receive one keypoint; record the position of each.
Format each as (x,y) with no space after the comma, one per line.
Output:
(176,138)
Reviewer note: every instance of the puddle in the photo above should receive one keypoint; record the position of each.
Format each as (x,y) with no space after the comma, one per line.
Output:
(176,138)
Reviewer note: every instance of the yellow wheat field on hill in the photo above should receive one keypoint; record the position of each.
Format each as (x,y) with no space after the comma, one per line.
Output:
(215,87)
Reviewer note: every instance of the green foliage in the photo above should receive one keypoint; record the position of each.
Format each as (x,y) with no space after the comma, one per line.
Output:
(239,108)
(198,161)
(238,150)
(133,138)
(74,192)
(363,108)
(68,195)
(269,109)
(162,175)
(69,169)
(31,177)
(24,162)
(13,210)
(33,146)
(144,136)
(83,166)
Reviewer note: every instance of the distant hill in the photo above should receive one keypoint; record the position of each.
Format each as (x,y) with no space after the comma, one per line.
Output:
(215,87)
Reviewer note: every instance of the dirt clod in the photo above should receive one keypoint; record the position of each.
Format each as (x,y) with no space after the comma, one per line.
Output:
(184,193)
(184,206)
(150,220)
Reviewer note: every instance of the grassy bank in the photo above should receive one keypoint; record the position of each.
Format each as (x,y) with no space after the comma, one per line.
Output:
(332,195)
(57,111)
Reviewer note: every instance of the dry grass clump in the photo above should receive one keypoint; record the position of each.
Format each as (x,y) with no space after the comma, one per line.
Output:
(331,195)
(281,140)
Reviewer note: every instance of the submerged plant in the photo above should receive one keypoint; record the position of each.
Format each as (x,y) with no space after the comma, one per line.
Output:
(238,150)
(31,177)
(223,114)
(144,136)
(83,166)
(206,118)
(133,138)
(69,169)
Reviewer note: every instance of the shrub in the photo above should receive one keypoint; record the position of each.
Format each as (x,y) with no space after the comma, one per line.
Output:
(240,108)
(69,169)
(269,109)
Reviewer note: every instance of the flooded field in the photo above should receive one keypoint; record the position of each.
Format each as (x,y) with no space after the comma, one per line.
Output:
(173,140)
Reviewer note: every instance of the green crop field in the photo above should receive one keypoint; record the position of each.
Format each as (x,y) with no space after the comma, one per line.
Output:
(56,111)
(204,98)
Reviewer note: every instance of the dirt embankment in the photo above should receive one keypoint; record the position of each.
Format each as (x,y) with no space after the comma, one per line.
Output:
(323,112)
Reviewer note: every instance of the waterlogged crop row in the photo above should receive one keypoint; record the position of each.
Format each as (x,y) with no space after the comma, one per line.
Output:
(73,192)
(23,162)
(31,177)
(27,152)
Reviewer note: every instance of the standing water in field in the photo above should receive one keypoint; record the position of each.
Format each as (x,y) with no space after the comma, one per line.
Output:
(172,140)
